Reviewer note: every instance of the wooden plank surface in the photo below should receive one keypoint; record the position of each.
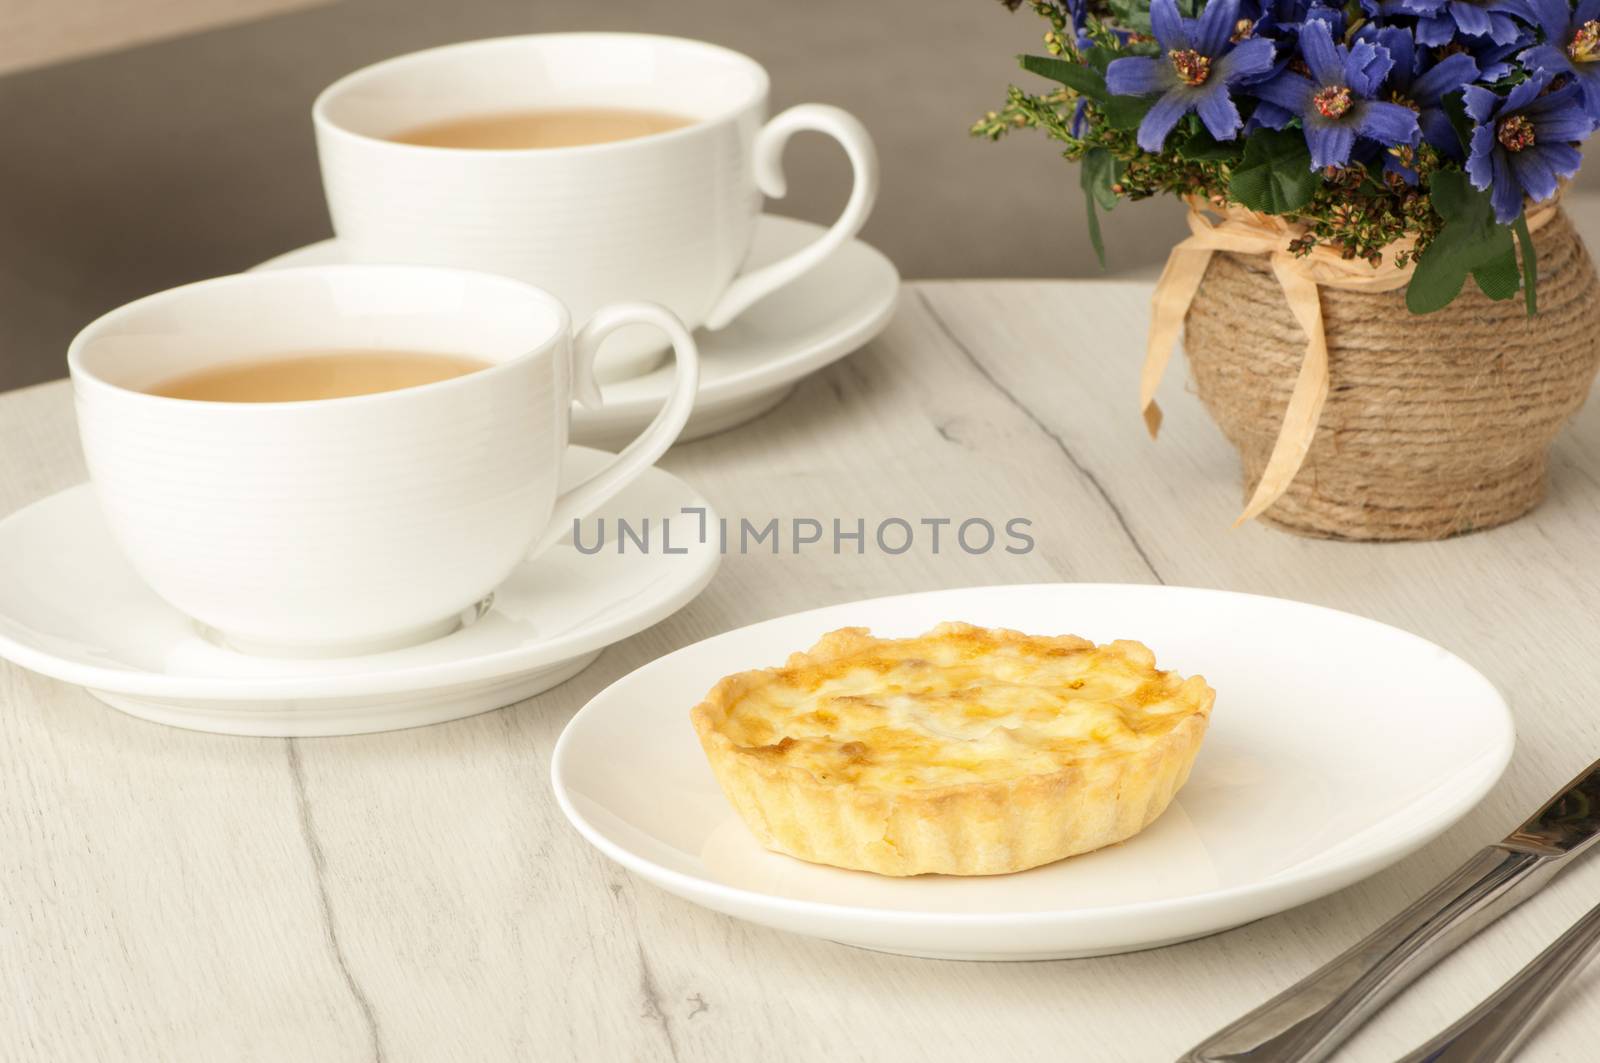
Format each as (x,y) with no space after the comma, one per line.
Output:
(418,896)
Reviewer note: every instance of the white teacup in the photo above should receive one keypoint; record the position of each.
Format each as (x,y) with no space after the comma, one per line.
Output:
(668,217)
(348,525)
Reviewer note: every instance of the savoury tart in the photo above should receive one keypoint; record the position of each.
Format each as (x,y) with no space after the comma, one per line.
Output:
(964,751)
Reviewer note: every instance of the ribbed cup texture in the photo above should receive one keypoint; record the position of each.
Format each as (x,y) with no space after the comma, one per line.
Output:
(667,220)
(329,522)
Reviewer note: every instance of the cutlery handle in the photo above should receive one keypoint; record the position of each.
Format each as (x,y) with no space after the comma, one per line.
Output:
(1309,1019)
(1492,1031)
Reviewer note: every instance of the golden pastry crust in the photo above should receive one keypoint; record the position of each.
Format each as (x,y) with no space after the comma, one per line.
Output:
(964,751)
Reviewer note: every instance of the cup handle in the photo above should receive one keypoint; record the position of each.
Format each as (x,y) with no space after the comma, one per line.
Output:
(578,502)
(768,160)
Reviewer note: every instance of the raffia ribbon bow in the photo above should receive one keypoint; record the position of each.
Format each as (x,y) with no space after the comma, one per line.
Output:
(1247,232)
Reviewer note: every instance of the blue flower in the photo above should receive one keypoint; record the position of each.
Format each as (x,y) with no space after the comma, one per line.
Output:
(1198,64)
(1282,19)
(1523,143)
(1440,21)
(1494,60)
(1079,11)
(1572,45)
(1424,87)
(1338,101)
(1283,23)
(1386,10)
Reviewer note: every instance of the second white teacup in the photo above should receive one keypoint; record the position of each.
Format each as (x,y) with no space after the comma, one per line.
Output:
(667,217)
(336,526)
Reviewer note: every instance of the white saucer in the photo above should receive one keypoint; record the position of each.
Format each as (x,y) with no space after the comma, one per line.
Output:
(72,608)
(1337,746)
(749,367)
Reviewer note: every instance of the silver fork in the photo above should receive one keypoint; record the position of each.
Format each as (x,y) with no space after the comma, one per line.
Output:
(1495,1029)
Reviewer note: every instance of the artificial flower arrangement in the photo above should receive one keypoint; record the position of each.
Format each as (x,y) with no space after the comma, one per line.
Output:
(1373,122)
(1352,151)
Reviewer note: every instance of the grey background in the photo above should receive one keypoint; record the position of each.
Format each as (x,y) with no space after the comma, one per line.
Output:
(127,173)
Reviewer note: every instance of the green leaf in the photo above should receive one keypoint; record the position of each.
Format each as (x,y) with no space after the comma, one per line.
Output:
(1121,112)
(1126,112)
(1438,277)
(1455,109)
(1463,247)
(1075,76)
(1095,239)
(1275,175)
(1373,176)
(1098,173)
(1499,278)
(1201,146)
(1099,57)
(1470,242)
(1456,200)
(1530,263)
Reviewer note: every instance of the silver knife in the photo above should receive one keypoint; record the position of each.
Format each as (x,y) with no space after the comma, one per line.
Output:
(1312,1017)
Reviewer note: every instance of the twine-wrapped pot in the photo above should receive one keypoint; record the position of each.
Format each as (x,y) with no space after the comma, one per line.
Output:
(1433,425)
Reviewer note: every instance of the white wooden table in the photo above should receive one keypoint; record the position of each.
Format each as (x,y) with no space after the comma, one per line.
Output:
(418,896)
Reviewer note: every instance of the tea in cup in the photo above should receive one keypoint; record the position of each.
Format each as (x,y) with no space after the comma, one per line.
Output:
(600,166)
(345,459)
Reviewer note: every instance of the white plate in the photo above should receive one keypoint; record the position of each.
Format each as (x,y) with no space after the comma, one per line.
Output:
(71,607)
(1337,746)
(749,367)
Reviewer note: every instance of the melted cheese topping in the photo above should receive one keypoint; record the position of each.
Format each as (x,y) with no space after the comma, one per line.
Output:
(960,704)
